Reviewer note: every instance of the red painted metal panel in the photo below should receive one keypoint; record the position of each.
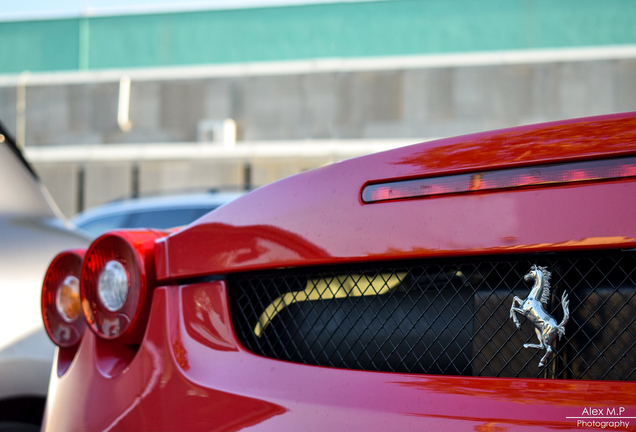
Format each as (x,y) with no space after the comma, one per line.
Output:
(161,259)
(190,373)
(524,221)
(318,217)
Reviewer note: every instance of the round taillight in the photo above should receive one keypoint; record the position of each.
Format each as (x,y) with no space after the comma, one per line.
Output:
(61,305)
(116,284)
(112,286)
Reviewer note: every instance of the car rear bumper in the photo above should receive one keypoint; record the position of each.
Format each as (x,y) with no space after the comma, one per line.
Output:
(190,373)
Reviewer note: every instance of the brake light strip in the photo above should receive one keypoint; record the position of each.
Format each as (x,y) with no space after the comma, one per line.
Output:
(501,179)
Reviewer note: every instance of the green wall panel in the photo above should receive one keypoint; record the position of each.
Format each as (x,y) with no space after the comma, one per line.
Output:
(356,29)
(39,45)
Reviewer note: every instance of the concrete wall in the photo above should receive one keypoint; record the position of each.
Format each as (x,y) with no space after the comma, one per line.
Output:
(434,102)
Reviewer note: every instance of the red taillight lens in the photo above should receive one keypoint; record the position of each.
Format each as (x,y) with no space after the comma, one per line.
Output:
(548,175)
(116,284)
(61,306)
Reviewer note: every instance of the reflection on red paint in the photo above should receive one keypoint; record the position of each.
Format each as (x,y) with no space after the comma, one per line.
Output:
(559,140)
(64,358)
(490,427)
(206,318)
(244,246)
(180,354)
(530,391)
(112,358)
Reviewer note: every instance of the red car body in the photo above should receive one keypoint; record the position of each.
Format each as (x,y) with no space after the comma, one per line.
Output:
(191,372)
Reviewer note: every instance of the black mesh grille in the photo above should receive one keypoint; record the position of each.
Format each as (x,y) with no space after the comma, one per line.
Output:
(447,317)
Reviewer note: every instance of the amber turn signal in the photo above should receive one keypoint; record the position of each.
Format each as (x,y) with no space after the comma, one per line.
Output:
(61,306)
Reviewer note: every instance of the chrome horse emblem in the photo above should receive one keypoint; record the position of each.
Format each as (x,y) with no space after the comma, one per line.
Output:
(545,325)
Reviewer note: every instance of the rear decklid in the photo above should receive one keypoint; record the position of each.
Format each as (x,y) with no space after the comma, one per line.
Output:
(318,217)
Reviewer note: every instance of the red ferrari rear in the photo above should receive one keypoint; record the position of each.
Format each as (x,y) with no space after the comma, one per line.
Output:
(380,293)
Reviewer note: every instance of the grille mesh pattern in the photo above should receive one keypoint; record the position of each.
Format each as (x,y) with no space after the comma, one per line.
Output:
(443,317)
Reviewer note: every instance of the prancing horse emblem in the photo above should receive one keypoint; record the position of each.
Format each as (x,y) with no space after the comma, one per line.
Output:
(544,323)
